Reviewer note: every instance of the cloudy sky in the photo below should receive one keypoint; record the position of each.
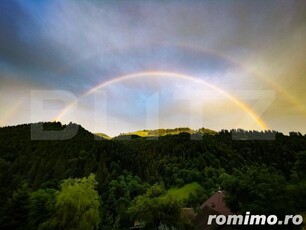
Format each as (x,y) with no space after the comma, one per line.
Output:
(119,66)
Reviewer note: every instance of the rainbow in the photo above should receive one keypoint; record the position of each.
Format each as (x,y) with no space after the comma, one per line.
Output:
(9,113)
(267,80)
(118,79)
(273,84)
(277,87)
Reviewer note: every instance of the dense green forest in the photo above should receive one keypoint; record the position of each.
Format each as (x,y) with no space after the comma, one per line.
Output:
(92,183)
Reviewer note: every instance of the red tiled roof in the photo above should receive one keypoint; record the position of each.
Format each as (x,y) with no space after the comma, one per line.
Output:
(217,203)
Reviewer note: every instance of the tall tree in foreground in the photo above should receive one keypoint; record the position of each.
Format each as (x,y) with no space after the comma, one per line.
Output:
(155,210)
(77,206)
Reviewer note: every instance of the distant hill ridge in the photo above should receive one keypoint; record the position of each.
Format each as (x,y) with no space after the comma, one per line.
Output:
(103,135)
(175,131)
(55,130)
(24,131)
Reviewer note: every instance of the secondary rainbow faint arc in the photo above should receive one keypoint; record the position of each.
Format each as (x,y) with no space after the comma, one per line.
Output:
(238,102)
(283,92)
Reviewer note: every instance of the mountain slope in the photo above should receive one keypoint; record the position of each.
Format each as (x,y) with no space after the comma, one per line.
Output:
(164,132)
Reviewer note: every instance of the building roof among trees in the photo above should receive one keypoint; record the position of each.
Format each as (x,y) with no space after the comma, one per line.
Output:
(217,203)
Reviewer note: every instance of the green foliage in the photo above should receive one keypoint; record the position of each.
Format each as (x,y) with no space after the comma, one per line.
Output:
(41,207)
(195,200)
(155,209)
(300,165)
(258,190)
(186,176)
(77,205)
(184,192)
(205,131)
(164,132)
(126,169)
(155,190)
(120,193)
(103,135)
(14,214)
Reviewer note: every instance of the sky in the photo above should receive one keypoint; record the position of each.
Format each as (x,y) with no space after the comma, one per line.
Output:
(121,66)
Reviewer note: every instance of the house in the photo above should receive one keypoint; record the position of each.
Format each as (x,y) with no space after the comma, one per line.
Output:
(215,205)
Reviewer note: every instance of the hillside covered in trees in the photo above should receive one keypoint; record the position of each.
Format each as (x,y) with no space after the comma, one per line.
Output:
(87,182)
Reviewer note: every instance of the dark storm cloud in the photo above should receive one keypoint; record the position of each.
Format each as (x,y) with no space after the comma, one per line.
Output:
(75,45)
(21,43)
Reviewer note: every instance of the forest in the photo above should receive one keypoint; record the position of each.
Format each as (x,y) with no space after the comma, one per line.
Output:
(90,182)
